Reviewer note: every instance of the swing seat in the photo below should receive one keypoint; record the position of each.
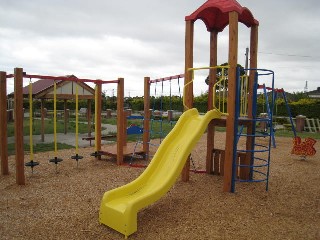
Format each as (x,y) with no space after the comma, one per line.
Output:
(133,129)
(31,164)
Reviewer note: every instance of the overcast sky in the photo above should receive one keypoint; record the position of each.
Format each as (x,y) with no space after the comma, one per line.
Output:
(133,39)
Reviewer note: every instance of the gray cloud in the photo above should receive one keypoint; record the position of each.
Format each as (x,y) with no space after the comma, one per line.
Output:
(133,39)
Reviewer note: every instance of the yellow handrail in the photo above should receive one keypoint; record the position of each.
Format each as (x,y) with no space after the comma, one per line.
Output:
(244,95)
(222,83)
(200,68)
(223,80)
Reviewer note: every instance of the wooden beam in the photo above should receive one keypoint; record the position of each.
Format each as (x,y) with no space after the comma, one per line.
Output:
(253,64)
(120,121)
(124,130)
(18,125)
(68,96)
(188,96)
(213,62)
(245,172)
(147,117)
(188,64)
(212,81)
(230,137)
(3,124)
(98,119)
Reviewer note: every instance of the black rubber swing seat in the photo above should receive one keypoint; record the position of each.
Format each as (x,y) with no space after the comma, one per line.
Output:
(31,164)
(96,154)
(55,160)
(76,157)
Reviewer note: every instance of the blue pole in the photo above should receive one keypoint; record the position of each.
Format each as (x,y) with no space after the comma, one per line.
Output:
(269,113)
(254,115)
(289,113)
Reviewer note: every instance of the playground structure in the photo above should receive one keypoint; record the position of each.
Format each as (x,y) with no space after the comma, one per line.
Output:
(127,149)
(119,207)
(64,83)
(58,88)
(216,16)
(227,13)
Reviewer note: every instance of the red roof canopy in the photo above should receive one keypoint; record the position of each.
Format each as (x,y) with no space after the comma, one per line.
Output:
(39,86)
(215,14)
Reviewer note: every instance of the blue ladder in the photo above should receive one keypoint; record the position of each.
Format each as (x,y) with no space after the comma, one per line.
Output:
(257,170)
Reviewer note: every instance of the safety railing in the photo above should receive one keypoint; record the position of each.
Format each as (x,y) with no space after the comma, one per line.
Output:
(220,93)
(219,88)
(244,93)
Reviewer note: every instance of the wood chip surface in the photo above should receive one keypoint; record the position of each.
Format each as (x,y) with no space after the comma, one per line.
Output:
(65,205)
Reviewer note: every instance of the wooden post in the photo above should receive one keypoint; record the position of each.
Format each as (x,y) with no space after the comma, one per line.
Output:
(217,161)
(3,124)
(147,117)
(18,125)
(89,117)
(125,123)
(42,120)
(65,116)
(108,113)
(212,81)
(253,64)
(188,78)
(245,172)
(120,121)
(98,121)
(170,115)
(230,138)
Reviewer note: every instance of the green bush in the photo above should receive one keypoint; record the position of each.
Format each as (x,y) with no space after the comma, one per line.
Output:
(307,107)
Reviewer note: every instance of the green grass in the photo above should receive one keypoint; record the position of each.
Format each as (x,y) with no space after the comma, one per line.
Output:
(289,133)
(158,129)
(40,147)
(83,128)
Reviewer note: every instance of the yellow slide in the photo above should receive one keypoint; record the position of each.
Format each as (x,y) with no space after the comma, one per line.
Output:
(120,206)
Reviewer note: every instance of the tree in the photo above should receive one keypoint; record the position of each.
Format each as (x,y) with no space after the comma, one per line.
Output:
(225,73)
